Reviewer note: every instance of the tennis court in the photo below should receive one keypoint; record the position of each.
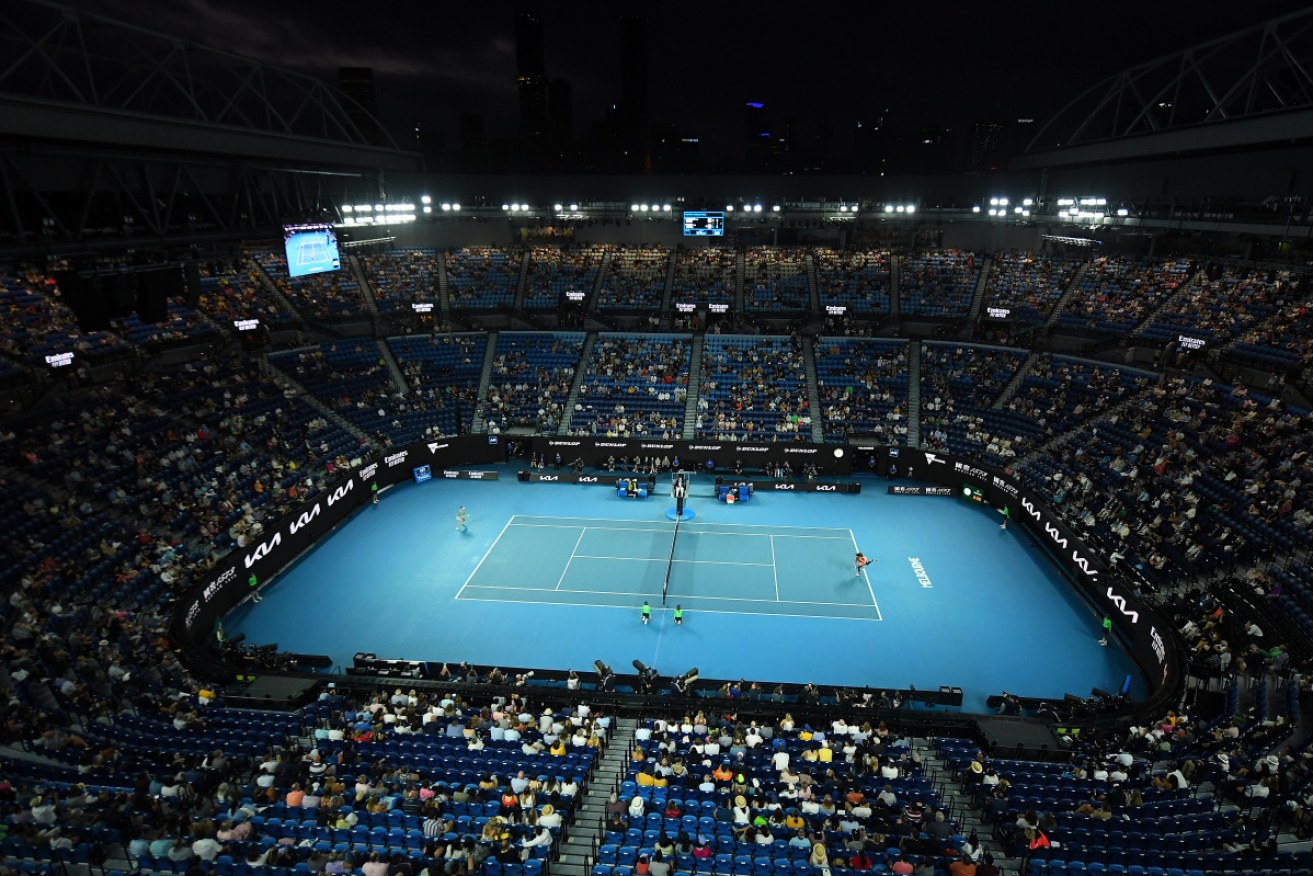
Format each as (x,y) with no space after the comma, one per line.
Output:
(710,567)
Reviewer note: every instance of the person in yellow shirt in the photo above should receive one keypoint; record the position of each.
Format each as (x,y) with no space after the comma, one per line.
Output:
(558,747)
(825,754)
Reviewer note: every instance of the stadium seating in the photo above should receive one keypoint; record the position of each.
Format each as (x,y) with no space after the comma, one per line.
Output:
(634,385)
(753,389)
(636,279)
(482,278)
(532,374)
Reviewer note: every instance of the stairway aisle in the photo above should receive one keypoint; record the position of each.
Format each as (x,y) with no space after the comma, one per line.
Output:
(957,805)
(480,422)
(978,298)
(1015,383)
(365,288)
(894,310)
(813,287)
(668,293)
(444,298)
(517,304)
(403,386)
(694,388)
(577,853)
(914,393)
(740,272)
(813,391)
(1066,296)
(567,415)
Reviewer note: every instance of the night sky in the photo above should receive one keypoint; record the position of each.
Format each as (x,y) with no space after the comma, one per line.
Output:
(943,63)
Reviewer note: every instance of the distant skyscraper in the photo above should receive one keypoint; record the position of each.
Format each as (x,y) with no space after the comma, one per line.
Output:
(986,147)
(357,84)
(633,90)
(756,135)
(531,81)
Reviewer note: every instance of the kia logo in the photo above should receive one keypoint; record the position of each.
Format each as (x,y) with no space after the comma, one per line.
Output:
(827,488)
(784,486)
(340,492)
(1120,602)
(587,479)
(549,477)
(265,549)
(306,517)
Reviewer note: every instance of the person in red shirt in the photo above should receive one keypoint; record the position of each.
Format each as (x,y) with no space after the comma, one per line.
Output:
(902,866)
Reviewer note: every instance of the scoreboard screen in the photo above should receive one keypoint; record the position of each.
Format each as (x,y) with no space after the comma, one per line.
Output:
(699,223)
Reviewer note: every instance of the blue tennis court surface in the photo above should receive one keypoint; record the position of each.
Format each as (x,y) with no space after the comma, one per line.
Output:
(716,567)
(553,576)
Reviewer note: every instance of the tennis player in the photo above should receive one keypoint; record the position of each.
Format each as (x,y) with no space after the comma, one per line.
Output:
(861,561)
(647,613)
(462,517)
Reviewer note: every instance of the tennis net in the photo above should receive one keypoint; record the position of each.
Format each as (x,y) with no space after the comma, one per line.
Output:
(665,587)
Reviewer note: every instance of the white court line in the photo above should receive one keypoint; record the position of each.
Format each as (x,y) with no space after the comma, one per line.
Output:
(681,596)
(700,610)
(868,579)
(578,541)
(659,559)
(691,532)
(774,569)
(481,559)
(695,523)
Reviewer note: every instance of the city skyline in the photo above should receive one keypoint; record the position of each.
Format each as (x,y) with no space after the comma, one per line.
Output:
(829,78)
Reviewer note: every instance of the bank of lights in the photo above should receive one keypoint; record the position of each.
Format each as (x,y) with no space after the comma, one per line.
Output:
(644,208)
(516,208)
(900,208)
(844,208)
(448,207)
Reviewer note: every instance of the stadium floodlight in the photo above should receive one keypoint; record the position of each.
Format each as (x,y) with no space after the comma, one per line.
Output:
(446,206)
(425,199)
(574,208)
(1028,202)
(455,208)
(1025,212)
(900,209)
(633,208)
(993,211)
(347,208)
(558,207)
(889,208)
(854,209)
(775,209)
(1017,210)
(993,202)
(428,208)
(975,209)
(1123,212)
(1002,202)
(379,208)
(665,208)
(911,208)
(644,207)
(505,206)
(756,208)
(729,208)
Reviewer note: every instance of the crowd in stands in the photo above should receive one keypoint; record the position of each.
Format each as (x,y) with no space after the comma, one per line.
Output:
(38,323)
(330,296)
(555,270)
(863,388)
(705,275)
(1204,794)
(1028,284)
(532,375)
(232,291)
(402,278)
(1117,293)
(959,386)
(483,277)
(636,279)
(938,283)
(634,385)
(442,374)
(711,792)
(775,280)
(1188,478)
(858,280)
(753,389)
(399,782)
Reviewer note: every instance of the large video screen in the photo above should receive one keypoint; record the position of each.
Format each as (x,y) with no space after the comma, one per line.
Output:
(704,224)
(311,249)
